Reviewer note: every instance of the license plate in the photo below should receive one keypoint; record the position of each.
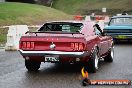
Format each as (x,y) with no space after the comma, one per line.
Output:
(51,58)
(121,37)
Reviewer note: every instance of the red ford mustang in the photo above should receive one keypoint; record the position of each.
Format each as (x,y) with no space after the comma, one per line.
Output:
(66,42)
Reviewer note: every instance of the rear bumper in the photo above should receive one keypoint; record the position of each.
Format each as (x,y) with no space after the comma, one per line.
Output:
(60,53)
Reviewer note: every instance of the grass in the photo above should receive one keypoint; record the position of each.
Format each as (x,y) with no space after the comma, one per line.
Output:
(88,6)
(22,13)
(3,38)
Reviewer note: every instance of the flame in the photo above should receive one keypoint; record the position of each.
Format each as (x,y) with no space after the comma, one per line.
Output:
(84,73)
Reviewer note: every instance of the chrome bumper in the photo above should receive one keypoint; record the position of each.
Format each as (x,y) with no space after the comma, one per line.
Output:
(42,53)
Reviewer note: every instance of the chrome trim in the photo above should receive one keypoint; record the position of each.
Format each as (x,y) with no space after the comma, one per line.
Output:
(50,53)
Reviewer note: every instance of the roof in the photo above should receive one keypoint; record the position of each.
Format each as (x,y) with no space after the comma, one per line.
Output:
(122,16)
(67,21)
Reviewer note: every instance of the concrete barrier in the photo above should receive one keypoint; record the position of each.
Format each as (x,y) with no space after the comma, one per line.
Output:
(87,18)
(14,34)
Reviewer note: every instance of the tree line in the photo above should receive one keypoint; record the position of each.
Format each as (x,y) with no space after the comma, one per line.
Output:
(25,1)
(42,2)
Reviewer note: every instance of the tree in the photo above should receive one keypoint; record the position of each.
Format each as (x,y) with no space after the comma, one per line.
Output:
(25,1)
(44,2)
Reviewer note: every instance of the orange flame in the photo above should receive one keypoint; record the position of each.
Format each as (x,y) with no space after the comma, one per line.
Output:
(84,73)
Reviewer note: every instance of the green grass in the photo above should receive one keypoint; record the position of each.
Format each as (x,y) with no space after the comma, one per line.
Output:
(88,6)
(3,38)
(22,13)
(30,14)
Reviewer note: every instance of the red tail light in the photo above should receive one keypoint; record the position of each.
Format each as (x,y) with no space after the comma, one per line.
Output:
(24,45)
(77,46)
(28,45)
(81,47)
(72,46)
(32,44)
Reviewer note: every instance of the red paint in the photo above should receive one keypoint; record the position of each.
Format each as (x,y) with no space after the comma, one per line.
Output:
(68,43)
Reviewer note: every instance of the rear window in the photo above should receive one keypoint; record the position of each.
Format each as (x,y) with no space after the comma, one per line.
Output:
(63,27)
(121,21)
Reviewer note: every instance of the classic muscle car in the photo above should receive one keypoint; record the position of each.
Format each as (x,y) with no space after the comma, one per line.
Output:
(120,27)
(66,42)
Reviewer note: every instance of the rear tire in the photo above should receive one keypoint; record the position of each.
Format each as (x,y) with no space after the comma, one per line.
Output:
(32,65)
(110,55)
(92,64)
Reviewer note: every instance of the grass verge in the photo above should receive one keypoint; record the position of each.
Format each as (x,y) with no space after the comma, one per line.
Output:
(12,13)
(88,6)
(22,13)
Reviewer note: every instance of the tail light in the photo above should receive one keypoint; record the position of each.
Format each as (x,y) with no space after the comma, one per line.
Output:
(81,46)
(29,45)
(32,45)
(77,46)
(24,45)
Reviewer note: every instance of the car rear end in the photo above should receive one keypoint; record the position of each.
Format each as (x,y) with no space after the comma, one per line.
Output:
(119,34)
(53,49)
(120,27)
(54,46)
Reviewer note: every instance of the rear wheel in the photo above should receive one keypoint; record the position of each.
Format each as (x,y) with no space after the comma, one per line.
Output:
(110,55)
(92,64)
(32,65)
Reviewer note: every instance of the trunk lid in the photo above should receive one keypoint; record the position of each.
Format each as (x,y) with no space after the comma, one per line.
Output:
(56,41)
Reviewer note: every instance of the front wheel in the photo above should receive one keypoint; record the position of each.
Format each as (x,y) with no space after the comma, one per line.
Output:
(110,55)
(92,64)
(32,65)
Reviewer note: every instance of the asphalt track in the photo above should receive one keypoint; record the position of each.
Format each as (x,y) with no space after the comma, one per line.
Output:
(13,73)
